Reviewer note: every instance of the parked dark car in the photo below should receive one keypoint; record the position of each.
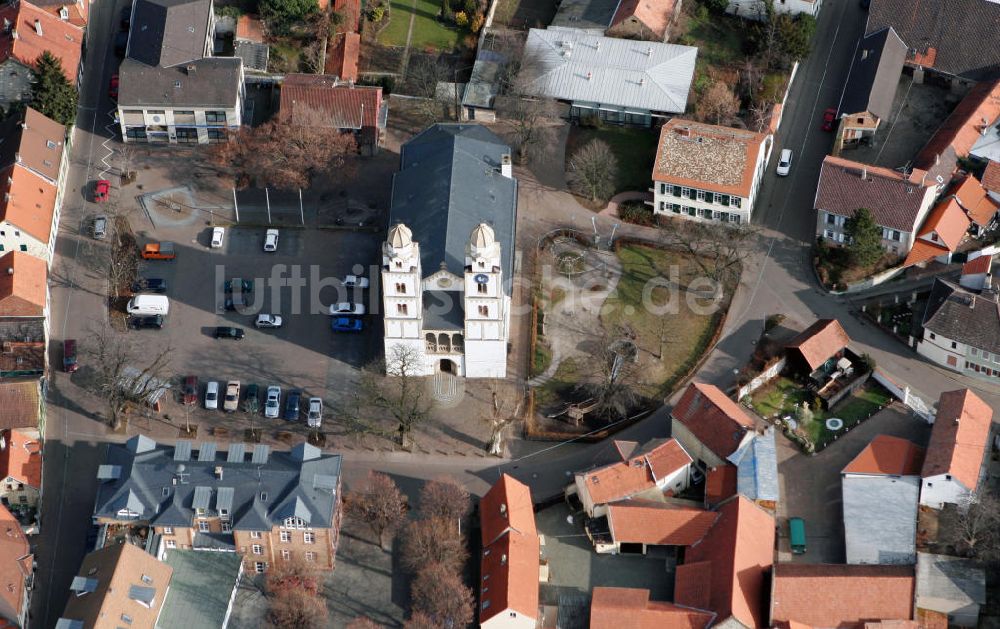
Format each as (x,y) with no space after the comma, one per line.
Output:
(190,390)
(243,286)
(229,332)
(151,321)
(69,356)
(346,324)
(237,300)
(252,402)
(150,285)
(292,402)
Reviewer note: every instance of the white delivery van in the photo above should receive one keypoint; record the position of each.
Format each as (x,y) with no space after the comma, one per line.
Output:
(148,305)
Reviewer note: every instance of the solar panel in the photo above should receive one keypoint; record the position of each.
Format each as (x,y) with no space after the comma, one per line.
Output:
(109,472)
(206,451)
(83,584)
(67,623)
(325,481)
(202,496)
(236,453)
(260,454)
(143,594)
(182,450)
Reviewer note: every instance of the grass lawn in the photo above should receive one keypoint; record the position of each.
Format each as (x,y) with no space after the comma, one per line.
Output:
(427,31)
(669,343)
(563,381)
(720,38)
(635,149)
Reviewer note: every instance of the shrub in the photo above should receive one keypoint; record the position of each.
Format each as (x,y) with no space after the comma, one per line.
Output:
(638,213)
(462,19)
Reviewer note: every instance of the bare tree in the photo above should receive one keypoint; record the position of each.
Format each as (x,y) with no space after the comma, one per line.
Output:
(127,374)
(615,369)
(530,118)
(420,620)
(440,593)
(976,533)
(444,499)
(592,171)
(718,105)
(423,75)
(127,153)
(392,388)
(380,504)
(297,609)
(294,574)
(719,249)
(505,409)
(363,622)
(423,544)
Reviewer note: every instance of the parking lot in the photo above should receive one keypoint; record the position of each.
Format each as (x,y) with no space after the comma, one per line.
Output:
(298,282)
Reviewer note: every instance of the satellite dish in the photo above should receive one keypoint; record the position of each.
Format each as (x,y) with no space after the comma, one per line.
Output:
(481,278)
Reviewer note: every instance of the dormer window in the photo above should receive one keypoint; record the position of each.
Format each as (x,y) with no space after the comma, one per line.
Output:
(63,13)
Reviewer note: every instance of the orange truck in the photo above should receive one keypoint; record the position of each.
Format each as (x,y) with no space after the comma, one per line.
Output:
(159,251)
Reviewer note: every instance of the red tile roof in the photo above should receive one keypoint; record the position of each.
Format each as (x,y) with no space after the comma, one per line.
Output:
(342,60)
(978,265)
(510,550)
(304,96)
(507,505)
(630,608)
(649,522)
(973,198)
(894,199)
(15,564)
(62,39)
(639,472)
(720,483)
(350,13)
(841,595)
(991,176)
(740,551)
(250,28)
(820,342)
(21,457)
(22,357)
(28,202)
(959,438)
(78,11)
(964,126)
(23,291)
(655,15)
(888,455)
(713,418)
(19,404)
(945,228)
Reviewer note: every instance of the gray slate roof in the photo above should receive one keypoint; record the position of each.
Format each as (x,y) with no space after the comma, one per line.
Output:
(448,182)
(569,64)
(200,589)
(880,518)
(589,15)
(444,310)
(211,82)
(871,85)
(946,584)
(961,315)
(288,484)
(756,464)
(169,32)
(893,200)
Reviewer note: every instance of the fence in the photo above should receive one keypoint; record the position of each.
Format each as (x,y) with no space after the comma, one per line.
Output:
(914,403)
(779,108)
(763,378)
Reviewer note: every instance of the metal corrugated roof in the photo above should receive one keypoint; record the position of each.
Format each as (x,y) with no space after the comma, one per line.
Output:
(569,64)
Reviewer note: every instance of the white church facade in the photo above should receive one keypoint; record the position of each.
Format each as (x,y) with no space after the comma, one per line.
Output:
(447,259)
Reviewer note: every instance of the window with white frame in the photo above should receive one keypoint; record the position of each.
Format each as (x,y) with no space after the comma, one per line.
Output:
(169,543)
(310,556)
(286,537)
(259,567)
(294,523)
(254,534)
(257,549)
(286,555)
(227,527)
(309,538)
(168,530)
(203,526)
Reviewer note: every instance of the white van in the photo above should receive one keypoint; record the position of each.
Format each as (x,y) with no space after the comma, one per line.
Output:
(148,305)
(784,163)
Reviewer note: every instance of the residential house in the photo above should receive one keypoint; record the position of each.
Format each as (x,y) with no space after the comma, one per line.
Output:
(270,507)
(20,467)
(17,571)
(981,208)
(202,589)
(323,101)
(756,9)
(898,202)
(447,272)
(21,404)
(658,467)
(945,229)
(944,37)
(24,305)
(952,587)
(28,31)
(636,524)
(752,472)
(823,343)
(726,571)
(871,86)
(618,608)
(839,595)
(881,490)
(709,425)
(249,43)
(483,88)
(961,329)
(33,166)
(75,12)
(644,19)
(970,121)
(991,179)
(957,454)
(612,80)
(707,172)
(977,273)
(510,565)
(119,585)
(171,90)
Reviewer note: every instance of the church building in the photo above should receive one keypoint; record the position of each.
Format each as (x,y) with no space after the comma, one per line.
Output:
(448,259)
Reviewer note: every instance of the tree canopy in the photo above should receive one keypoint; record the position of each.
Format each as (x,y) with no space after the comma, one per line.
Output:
(285,13)
(865,246)
(52,94)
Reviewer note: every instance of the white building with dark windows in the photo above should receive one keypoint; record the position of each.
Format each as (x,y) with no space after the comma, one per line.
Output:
(447,261)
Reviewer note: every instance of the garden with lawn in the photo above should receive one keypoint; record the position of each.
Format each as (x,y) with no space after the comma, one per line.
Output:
(429,32)
(633,147)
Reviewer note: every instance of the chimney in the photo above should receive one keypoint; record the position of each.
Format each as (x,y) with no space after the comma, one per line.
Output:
(589,75)
(864,173)
(503,509)
(503,557)
(506,169)
(218,472)
(38,28)
(191,69)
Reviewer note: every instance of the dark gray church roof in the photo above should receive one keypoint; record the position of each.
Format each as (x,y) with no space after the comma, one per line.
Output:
(164,484)
(448,182)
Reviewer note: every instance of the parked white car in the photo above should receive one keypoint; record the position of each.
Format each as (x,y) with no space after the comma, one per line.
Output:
(347,308)
(232,401)
(315,417)
(268,321)
(271,240)
(212,395)
(218,235)
(272,406)
(355,281)
(784,163)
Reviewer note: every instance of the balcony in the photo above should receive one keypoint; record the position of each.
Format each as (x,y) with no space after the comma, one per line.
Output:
(443,343)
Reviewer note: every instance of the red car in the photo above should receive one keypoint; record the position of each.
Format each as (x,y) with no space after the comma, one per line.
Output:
(113,88)
(101,189)
(190,390)
(829,118)
(69,356)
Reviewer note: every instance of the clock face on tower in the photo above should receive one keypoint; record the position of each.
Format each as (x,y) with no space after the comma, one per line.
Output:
(481,278)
